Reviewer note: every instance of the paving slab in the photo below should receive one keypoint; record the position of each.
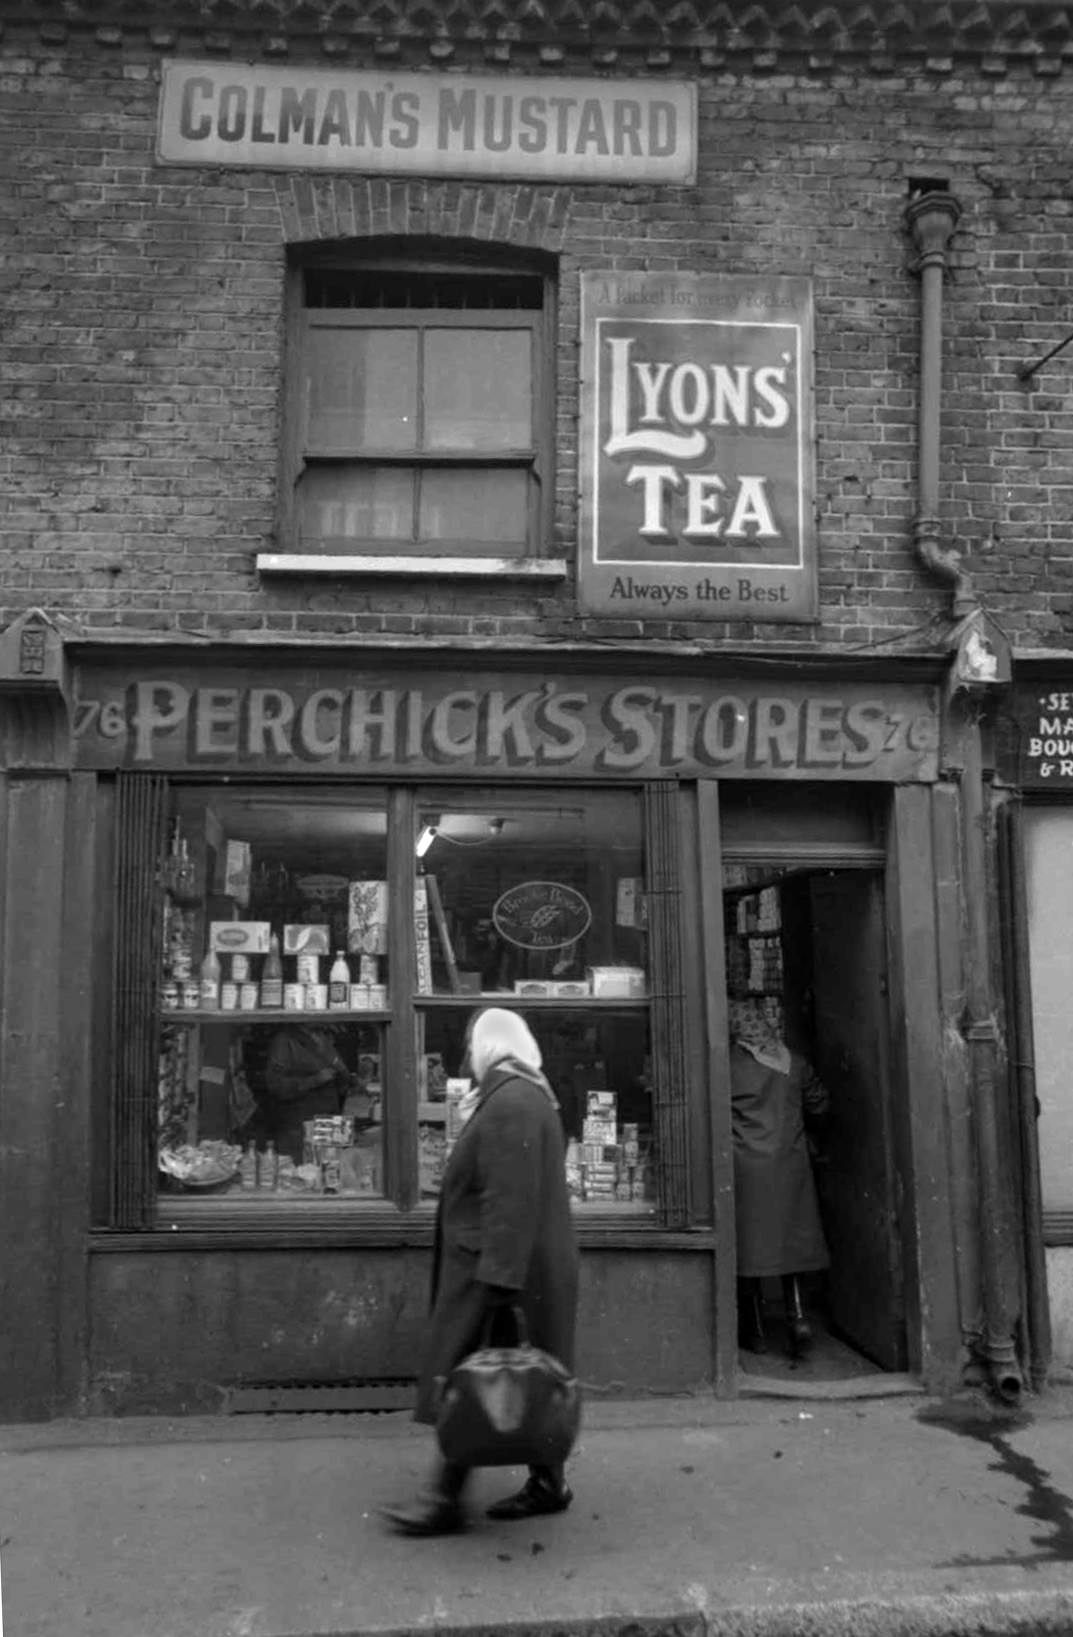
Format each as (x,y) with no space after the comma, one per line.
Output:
(698,1518)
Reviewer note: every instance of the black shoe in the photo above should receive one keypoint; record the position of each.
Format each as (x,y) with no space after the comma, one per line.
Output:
(428,1515)
(536,1499)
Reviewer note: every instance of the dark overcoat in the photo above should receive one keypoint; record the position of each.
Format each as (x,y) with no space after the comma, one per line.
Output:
(776,1212)
(504,1219)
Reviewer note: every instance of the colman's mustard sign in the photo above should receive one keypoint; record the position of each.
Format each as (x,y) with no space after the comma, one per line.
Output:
(322,119)
(696,447)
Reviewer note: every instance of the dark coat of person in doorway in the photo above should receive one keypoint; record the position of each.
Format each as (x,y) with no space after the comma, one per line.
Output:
(773,1092)
(777,1216)
(504,1236)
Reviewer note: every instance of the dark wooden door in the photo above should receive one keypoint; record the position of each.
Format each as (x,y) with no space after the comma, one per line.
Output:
(857,1177)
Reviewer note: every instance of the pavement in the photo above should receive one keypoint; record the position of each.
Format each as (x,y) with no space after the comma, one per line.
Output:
(774,1515)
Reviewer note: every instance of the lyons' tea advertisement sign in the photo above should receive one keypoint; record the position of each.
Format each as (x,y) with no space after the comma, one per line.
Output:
(696,447)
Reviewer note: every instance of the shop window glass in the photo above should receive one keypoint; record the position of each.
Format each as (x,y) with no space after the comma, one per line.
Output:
(541,906)
(274,989)
(1049,883)
(421,412)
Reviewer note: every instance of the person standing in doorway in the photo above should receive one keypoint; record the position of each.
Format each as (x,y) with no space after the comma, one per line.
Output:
(773,1092)
(504,1238)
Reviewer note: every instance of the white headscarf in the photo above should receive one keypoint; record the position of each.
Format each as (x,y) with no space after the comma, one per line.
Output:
(755,1032)
(497,1036)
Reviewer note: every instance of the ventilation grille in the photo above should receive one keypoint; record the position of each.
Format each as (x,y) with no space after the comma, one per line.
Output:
(378,1397)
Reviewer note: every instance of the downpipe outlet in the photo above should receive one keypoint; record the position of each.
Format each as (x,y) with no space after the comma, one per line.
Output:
(1006,1381)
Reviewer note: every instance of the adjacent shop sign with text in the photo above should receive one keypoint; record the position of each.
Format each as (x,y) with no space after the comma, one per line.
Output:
(1036,740)
(696,448)
(322,119)
(333,721)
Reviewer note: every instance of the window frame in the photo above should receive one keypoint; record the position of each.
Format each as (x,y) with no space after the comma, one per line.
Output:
(403,555)
(137,1204)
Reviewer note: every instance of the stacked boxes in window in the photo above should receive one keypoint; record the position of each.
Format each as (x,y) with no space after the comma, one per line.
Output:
(599,1145)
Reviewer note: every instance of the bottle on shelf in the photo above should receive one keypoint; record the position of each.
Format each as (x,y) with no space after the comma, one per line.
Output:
(267,1167)
(247,1170)
(339,984)
(209,982)
(184,886)
(272,975)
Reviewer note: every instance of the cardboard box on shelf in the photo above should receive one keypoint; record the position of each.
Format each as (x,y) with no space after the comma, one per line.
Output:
(456,1092)
(618,982)
(367,917)
(604,1104)
(631,906)
(240,937)
(421,937)
(569,988)
(533,987)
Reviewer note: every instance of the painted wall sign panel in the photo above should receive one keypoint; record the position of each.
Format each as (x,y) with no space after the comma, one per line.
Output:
(332,721)
(1035,739)
(541,915)
(696,448)
(242,115)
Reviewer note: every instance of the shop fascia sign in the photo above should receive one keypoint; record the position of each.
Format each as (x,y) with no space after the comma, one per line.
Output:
(332,723)
(320,119)
(1036,742)
(696,448)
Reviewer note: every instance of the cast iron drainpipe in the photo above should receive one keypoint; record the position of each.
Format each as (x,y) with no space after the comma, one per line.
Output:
(931,218)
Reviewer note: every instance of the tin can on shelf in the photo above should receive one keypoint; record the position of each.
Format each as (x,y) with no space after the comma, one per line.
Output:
(294,997)
(169,995)
(308,968)
(247,997)
(228,996)
(191,995)
(316,997)
(240,968)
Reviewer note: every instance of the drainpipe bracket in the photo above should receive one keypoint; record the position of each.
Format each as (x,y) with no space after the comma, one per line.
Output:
(931,219)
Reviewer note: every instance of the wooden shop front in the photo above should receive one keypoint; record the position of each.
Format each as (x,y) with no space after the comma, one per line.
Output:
(315,864)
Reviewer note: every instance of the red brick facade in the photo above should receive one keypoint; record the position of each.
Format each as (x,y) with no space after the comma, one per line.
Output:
(141,342)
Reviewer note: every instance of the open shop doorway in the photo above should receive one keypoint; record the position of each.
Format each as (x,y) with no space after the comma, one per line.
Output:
(806,952)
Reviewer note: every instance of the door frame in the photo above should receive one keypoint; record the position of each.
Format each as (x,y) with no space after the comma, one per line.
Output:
(905,856)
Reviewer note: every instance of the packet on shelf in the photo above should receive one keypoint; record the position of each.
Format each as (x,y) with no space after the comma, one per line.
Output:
(247,937)
(617,982)
(313,939)
(367,918)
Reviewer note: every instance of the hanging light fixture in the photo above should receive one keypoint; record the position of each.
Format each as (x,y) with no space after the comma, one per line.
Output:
(428,835)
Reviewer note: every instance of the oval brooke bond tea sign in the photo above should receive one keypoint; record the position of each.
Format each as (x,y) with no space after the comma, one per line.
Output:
(541,915)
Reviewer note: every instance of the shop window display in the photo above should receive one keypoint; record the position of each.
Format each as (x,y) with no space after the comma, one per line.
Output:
(274,988)
(280,981)
(542,908)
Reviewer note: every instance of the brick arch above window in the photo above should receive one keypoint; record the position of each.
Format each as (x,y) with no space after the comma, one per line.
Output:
(339,208)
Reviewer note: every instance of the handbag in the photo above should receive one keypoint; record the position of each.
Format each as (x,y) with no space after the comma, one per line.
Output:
(508,1406)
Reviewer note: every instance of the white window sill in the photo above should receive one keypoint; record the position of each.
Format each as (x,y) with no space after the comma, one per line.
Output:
(484,568)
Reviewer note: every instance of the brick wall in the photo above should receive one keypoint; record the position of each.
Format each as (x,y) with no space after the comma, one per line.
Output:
(141,340)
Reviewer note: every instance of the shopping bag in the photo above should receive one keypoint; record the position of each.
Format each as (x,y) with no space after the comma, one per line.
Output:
(508,1406)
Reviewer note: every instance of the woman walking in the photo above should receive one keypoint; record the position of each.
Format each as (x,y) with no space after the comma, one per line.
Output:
(504,1237)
